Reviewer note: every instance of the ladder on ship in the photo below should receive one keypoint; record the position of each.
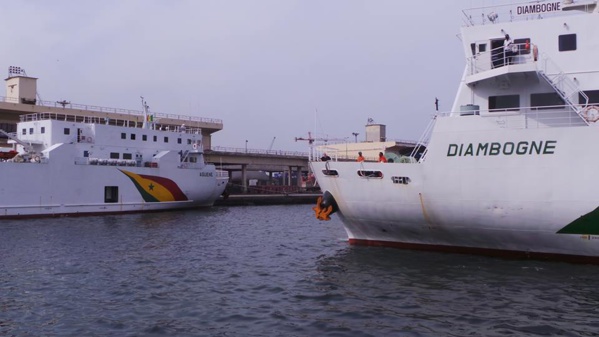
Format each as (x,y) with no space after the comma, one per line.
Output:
(564,86)
(28,148)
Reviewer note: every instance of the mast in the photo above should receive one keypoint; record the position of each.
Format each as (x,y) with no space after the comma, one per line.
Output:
(148,118)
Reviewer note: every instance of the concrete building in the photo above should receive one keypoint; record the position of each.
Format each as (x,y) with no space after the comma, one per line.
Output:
(22,98)
(375,142)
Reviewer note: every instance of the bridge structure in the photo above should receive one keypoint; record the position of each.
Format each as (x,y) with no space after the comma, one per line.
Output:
(291,166)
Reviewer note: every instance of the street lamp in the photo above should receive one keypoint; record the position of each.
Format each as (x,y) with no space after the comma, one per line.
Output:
(246,146)
(355,136)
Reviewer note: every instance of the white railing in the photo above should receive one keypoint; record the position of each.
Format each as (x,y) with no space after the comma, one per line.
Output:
(258,151)
(524,11)
(94,108)
(532,117)
(107,121)
(496,58)
(563,84)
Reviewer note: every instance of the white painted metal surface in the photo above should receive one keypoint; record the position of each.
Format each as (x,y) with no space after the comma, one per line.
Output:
(517,178)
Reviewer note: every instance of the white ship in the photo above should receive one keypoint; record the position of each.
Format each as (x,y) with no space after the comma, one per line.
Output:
(77,165)
(512,170)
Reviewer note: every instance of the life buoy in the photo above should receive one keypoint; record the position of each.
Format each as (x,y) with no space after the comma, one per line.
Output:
(195,146)
(89,139)
(591,114)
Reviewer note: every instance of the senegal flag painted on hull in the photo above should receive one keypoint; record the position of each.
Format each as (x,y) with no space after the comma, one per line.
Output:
(156,189)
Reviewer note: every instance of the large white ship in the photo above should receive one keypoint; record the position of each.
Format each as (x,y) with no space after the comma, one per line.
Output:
(512,170)
(65,164)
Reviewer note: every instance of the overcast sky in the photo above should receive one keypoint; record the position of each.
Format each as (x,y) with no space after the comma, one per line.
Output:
(267,68)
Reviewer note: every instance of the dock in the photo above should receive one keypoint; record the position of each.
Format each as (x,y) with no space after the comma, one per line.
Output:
(267,199)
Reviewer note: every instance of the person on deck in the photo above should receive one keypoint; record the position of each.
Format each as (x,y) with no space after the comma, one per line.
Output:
(360,157)
(509,49)
(382,158)
(325,157)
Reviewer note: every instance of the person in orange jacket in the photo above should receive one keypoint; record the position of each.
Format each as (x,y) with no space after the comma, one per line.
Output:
(382,158)
(360,157)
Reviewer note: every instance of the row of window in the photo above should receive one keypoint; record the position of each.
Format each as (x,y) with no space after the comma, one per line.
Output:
(544,100)
(154,138)
(42,130)
(67,131)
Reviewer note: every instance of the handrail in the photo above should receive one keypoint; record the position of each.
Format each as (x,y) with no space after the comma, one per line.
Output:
(257,151)
(95,108)
(523,11)
(485,61)
(562,82)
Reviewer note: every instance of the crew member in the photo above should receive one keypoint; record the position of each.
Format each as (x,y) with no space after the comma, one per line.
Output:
(382,158)
(360,157)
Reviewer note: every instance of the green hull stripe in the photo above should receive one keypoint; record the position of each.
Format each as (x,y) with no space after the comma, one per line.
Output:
(145,195)
(586,224)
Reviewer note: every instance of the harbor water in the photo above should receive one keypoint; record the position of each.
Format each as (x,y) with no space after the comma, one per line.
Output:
(269,271)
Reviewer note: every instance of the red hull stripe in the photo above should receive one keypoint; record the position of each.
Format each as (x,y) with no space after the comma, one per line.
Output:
(480,251)
(170,185)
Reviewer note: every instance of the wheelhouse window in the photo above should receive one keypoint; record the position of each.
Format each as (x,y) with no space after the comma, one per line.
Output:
(144,137)
(67,131)
(155,138)
(127,156)
(550,100)
(166,139)
(504,103)
(567,42)
(43,129)
(178,140)
(132,136)
(30,131)
(24,131)
(123,135)
(114,155)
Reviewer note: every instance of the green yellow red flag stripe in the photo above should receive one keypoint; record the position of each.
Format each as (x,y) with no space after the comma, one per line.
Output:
(155,188)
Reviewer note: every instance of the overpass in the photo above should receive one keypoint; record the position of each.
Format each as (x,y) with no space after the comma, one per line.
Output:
(270,161)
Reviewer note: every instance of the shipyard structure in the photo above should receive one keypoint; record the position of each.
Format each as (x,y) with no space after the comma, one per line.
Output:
(22,98)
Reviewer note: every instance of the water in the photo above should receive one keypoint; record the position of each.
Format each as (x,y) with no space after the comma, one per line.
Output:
(269,271)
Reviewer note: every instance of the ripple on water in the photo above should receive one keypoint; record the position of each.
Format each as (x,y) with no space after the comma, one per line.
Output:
(257,271)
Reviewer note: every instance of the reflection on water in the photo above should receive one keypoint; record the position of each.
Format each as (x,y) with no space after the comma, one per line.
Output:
(273,271)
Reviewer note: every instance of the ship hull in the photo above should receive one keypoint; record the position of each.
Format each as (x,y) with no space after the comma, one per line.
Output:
(64,188)
(519,201)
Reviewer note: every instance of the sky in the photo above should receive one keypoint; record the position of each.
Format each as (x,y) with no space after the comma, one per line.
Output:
(269,69)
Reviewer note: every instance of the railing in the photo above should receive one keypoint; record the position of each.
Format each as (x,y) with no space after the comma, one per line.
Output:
(533,117)
(565,86)
(497,58)
(157,115)
(107,121)
(525,11)
(257,151)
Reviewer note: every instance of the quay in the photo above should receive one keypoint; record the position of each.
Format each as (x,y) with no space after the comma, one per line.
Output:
(267,199)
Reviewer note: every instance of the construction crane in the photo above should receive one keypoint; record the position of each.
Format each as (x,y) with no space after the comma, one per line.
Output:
(311,139)
(272,143)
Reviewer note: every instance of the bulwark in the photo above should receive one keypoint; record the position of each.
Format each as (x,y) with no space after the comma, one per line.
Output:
(507,149)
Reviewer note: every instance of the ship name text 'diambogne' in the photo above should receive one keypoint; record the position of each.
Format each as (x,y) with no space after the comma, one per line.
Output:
(507,148)
(539,8)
